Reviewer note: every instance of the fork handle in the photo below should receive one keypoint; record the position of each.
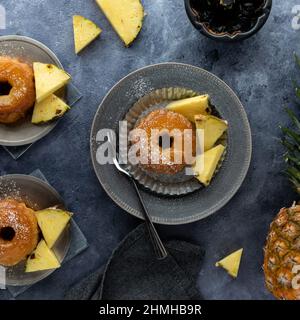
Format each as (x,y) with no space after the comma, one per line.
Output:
(158,246)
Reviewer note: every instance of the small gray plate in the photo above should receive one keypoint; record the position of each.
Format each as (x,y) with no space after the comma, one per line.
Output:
(29,50)
(37,195)
(201,203)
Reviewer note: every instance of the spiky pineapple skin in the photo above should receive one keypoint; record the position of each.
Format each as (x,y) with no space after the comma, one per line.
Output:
(282,253)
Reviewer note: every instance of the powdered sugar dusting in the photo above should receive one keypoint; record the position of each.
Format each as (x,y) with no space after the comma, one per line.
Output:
(10,190)
(139,88)
(14,50)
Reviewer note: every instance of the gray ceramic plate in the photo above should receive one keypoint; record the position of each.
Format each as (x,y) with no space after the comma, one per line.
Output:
(29,50)
(38,195)
(201,203)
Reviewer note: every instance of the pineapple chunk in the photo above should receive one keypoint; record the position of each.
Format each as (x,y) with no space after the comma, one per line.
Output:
(48,79)
(41,259)
(126,17)
(231,263)
(212,127)
(85,31)
(52,222)
(206,164)
(190,107)
(49,109)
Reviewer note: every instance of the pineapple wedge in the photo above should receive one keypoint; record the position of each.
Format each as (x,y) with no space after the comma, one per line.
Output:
(191,107)
(213,128)
(49,109)
(48,79)
(231,263)
(206,164)
(85,31)
(126,17)
(42,259)
(52,222)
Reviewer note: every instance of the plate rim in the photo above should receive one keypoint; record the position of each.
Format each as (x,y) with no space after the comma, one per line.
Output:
(177,221)
(54,192)
(51,54)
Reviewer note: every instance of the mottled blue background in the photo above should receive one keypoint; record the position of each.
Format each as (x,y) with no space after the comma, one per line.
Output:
(259,70)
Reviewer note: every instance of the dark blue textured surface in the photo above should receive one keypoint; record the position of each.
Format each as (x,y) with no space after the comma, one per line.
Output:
(259,70)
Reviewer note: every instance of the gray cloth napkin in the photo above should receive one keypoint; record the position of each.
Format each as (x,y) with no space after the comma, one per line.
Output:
(133,272)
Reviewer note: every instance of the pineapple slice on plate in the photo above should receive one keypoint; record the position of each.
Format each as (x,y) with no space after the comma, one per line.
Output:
(206,164)
(85,31)
(213,128)
(126,17)
(48,79)
(41,259)
(52,223)
(231,263)
(191,107)
(49,109)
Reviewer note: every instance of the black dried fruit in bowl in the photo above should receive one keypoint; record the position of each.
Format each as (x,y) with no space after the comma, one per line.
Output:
(228,20)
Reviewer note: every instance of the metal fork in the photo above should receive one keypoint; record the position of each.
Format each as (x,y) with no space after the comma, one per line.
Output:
(159,248)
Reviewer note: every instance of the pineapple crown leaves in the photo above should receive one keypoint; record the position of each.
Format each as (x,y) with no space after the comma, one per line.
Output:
(291,141)
(295,84)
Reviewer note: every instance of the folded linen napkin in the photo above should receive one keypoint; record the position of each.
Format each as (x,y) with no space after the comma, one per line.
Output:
(134,273)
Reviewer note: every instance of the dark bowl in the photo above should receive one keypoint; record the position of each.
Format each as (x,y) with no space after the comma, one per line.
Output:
(227,37)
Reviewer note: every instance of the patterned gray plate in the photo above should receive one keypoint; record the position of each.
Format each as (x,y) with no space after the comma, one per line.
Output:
(29,50)
(38,195)
(203,202)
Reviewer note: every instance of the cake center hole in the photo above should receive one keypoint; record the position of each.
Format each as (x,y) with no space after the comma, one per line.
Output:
(5,88)
(7,233)
(165,141)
